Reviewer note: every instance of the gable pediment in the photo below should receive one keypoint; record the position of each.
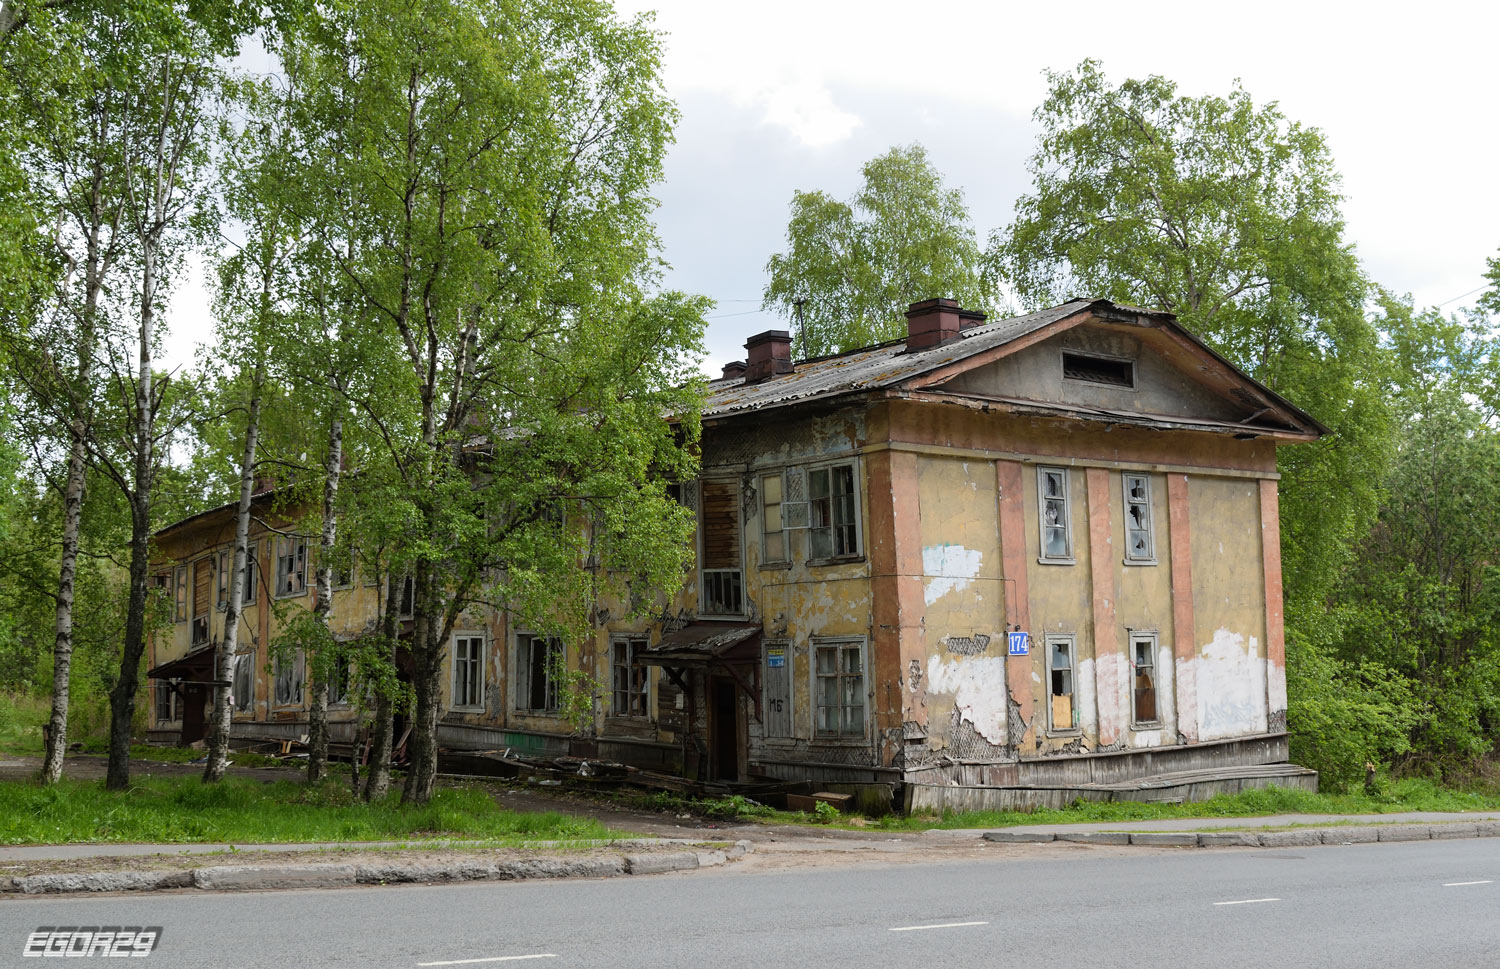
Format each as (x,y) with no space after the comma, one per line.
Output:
(1138,369)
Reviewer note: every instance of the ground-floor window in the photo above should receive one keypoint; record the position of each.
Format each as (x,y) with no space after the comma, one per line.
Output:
(632,682)
(1143,681)
(538,665)
(243,690)
(288,679)
(468,671)
(168,708)
(839,672)
(1060,679)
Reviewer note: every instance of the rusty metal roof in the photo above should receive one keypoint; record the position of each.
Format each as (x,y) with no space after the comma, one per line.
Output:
(878,367)
(699,642)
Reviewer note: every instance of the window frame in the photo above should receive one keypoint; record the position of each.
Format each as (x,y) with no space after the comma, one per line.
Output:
(475,665)
(246,662)
(1043,557)
(1150,528)
(180,593)
(842,646)
(856,523)
(250,587)
(1062,367)
(632,668)
(174,702)
(523,680)
(299,680)
(785,534)
(300,545)
(737,574)
(223,560)
(1152,642)
(1071,640)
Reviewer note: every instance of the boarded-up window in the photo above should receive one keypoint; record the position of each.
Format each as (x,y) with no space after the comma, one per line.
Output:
(721,593)
(203,572)
(1060,677)
(777,696)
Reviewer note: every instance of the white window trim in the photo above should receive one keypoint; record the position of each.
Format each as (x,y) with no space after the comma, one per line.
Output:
(519,680)
(1125,477)
(1072,640)
(1041,515)
(837,739)
(1141,636)
(453,662)
(615,714)
(250,587)
(856,466)
(785,561)
(244,659)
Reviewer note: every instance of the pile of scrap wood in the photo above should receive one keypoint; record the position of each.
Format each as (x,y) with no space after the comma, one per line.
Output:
(586,773)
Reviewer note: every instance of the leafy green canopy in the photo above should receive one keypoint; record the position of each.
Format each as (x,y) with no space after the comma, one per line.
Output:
(852,268)
(1226,214)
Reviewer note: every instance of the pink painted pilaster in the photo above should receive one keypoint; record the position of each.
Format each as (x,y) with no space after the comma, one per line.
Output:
(1184,645)
(1013,562)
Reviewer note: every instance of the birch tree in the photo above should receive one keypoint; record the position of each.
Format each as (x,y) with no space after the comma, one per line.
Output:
(489,205)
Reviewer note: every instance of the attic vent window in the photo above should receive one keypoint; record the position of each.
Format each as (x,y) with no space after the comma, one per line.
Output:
(1099,370)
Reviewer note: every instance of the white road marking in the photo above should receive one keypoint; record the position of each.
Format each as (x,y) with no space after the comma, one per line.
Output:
(1487,881)
(944,925)
(470,962)
(1248,901)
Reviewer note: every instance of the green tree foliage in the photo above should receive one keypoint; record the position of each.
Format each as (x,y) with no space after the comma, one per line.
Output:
(852,268)
(1227,214)
(480,172)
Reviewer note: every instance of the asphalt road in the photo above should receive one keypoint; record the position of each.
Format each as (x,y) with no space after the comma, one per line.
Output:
(1404,906)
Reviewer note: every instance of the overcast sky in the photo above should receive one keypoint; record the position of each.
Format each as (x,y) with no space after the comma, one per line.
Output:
(778,96)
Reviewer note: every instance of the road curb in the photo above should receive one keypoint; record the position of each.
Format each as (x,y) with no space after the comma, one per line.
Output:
(248,878)
(1290,838)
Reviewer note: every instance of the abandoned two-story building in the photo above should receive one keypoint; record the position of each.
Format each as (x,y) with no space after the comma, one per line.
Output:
(991,563)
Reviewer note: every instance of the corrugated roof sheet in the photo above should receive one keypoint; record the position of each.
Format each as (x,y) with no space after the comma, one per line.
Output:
(874,368)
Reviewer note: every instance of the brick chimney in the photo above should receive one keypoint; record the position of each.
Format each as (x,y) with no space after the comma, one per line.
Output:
(734,370)
(770,354)
(932,322)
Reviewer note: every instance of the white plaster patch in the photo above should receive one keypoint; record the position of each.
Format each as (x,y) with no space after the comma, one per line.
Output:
(949,568)
(1276,687)
(1146,738)
(1230,681)
(1112,674)
(977,685)
(1088,711)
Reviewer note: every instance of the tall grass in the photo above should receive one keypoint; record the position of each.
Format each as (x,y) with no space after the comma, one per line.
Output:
(183,809)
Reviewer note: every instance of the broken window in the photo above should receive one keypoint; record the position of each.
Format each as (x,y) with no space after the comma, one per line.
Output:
(1143,682)
(833,529)
(291,567)
(1060,678)
(339,679)
(721,593)
(468,671)
(1057,538)
(252,573)
(774,550)
(288,679)
(538,663)
(180,594)
(166,703)
(221,573)
(632,686)
(1099,370)
(243,679)
(1140,542)
(839,670)
(202,583)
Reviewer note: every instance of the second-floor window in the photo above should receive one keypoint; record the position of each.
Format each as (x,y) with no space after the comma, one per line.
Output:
(1140,542)
(291,567)
(1056,514)
(833,528)
(721,592)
